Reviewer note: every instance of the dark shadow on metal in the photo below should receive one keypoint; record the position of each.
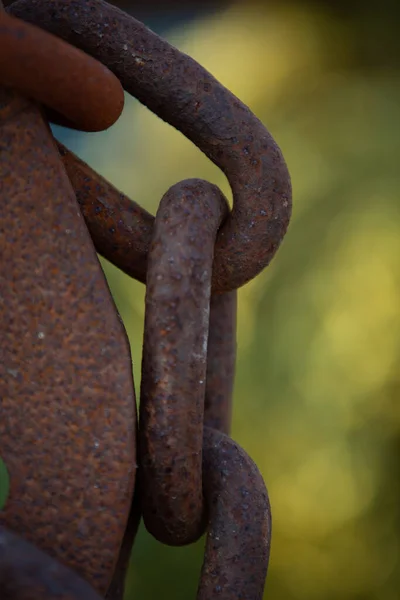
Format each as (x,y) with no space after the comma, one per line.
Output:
(27,573)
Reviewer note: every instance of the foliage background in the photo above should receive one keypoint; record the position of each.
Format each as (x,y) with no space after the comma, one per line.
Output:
(317,381)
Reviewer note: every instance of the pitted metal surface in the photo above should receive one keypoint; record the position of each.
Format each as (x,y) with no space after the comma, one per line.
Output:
(67,412)
(184,94)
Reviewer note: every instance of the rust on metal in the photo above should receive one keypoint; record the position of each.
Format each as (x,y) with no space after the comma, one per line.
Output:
(184,94)
(45,68)
(27,573)
(174,360)
(221,358)
(120,228)
(239,535)
(67,412)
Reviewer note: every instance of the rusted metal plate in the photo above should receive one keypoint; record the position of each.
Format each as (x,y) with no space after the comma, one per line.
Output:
(67,404)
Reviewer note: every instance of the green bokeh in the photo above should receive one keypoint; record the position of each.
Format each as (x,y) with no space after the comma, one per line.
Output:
(4,484)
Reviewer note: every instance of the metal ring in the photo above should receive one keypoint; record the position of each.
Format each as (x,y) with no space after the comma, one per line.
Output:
(174,360)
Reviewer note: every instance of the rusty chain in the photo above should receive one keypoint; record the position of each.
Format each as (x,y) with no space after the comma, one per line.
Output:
(67,415)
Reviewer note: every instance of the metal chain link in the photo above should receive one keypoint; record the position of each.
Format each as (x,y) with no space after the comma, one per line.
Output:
(68,431)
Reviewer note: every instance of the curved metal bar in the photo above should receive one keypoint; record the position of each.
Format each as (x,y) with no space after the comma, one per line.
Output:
(120,228)
(180,91)
(239,534)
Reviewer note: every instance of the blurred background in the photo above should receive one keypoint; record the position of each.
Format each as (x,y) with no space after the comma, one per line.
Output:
(318,333)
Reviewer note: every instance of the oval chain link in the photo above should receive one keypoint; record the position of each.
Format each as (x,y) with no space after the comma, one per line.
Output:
(184,94)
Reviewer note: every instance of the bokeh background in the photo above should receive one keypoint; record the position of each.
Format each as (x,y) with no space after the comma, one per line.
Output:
(317,385)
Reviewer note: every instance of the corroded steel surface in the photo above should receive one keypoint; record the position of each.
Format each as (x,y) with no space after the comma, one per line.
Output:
(83,90)
(67,415)
(239,534)
(221,358)
(120,228)
(175,360)
(185,95)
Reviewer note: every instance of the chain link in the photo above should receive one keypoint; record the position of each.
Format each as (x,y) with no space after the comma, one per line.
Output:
(67,388)
(185,95)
